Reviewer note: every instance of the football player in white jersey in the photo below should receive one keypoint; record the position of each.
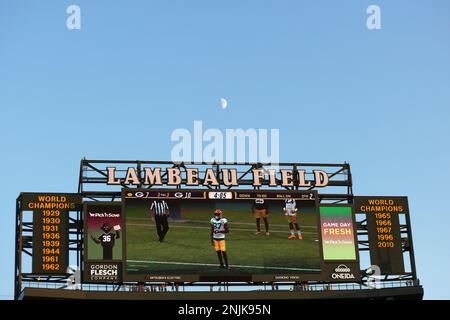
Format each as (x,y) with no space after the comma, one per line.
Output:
(290,211)
(219,226)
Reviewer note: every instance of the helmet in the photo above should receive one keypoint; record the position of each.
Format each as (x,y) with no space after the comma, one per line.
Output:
(106,227)
(218,212)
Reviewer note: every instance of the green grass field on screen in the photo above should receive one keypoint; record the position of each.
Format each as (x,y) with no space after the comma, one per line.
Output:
(187,249)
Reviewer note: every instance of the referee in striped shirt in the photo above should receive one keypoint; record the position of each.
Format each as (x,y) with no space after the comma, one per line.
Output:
(159,211)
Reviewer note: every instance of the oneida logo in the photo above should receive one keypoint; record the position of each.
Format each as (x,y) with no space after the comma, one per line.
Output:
(342,272)
(342,268)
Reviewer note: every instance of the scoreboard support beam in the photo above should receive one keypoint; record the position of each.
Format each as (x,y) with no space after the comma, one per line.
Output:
(18,252)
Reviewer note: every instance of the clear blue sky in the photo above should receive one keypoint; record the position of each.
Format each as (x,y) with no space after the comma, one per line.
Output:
(137,70)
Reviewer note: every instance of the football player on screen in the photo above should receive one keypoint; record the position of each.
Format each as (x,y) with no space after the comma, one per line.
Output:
(219,226)
(107,239)
(261,210)
(290,211)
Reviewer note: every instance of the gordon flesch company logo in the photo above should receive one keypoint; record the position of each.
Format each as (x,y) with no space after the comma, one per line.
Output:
(104,272)
(342,272)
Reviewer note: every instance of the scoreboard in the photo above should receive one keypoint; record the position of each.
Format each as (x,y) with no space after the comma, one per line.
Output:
(257,246)
(264,243)
(218,195)
(120,238)
(384,232)
(51,229)
(142,223)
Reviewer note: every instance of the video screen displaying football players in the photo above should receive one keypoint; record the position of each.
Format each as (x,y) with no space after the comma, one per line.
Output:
(228,226)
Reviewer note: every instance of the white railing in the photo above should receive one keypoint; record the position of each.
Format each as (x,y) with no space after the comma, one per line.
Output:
(218,288)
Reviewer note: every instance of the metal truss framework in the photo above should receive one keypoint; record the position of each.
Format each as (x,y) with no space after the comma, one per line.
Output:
(94,173)
(93,187)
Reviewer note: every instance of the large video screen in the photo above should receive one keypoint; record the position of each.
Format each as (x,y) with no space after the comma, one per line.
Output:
(233,235)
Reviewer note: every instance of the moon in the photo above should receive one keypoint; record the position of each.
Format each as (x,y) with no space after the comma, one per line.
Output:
(223,103)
